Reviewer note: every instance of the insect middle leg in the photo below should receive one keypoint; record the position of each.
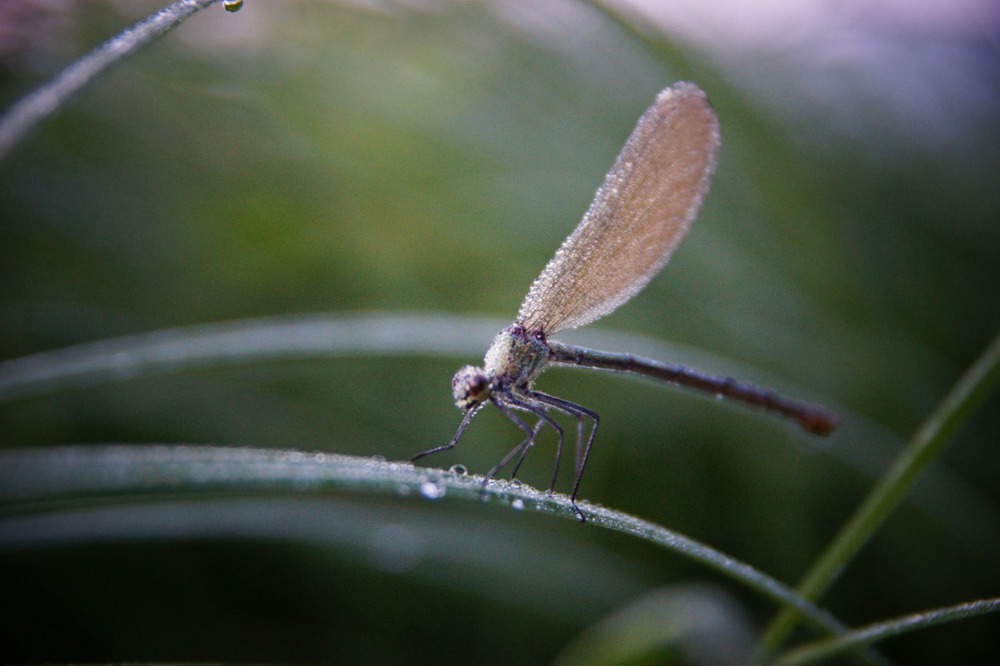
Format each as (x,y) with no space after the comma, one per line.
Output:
(525,449)
(507,405)
(582,450)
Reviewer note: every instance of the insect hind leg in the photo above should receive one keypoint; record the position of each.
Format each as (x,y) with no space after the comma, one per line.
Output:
(527,402)
(579,412)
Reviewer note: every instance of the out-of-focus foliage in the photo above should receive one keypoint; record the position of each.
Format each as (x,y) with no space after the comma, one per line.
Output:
(298,157)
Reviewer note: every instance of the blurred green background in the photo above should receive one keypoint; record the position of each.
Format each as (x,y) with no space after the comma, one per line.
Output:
(301,157)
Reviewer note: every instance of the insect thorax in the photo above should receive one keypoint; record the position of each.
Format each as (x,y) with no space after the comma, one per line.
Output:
(516,357)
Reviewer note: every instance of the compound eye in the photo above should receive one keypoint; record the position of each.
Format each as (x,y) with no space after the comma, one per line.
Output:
(470,386)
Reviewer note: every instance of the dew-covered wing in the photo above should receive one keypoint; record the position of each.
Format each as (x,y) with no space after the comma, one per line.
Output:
(639,215)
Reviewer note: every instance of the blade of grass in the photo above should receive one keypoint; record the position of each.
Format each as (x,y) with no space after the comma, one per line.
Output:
(700,622)
(244,341)
(927,443)
(831,647)
(295,337)
(523,568)
(21,119)
(35,480)
(401,333)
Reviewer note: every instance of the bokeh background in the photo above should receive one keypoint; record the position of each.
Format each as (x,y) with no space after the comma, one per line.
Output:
(428,157)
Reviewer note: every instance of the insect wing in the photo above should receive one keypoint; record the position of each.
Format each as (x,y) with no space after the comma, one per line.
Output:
(639,215)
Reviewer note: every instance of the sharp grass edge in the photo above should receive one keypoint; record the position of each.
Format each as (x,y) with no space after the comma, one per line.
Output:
(35,480)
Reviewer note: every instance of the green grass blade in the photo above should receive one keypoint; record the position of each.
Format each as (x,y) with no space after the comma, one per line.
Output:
(20,120)
(831,647)
(927,444)
(694,623)
(166,351)
(33,480)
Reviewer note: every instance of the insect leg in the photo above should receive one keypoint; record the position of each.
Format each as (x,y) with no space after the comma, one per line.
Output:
(524,453)
(521,449)
(454,440)
(527,402)
(580,413)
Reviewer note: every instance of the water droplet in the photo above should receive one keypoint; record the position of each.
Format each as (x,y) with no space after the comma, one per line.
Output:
(320,457)
(517,504)
(432,489)
(378,458)
(232,5)
(458,470)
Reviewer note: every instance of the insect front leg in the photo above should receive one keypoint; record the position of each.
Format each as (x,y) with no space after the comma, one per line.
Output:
(454,440)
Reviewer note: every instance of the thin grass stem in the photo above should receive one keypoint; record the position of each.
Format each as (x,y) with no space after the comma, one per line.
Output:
(971,390)
(865,636)
(21,119)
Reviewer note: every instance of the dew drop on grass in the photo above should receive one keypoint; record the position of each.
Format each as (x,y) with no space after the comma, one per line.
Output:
(517,504)
(432,489)
(458,470)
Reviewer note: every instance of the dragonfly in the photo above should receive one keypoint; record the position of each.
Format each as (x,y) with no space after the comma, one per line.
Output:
(639,216)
